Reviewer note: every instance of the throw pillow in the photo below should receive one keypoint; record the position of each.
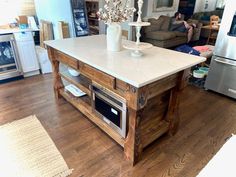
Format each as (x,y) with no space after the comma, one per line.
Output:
(155,25)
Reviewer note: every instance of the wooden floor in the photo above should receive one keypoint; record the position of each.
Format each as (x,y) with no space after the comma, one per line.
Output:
(207,119)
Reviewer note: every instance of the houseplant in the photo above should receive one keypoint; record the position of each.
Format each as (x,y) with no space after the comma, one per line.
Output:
(114,13)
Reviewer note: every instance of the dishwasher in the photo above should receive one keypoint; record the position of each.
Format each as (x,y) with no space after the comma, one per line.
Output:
(10,67)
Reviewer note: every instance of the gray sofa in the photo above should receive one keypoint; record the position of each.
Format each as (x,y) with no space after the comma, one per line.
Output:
(160,34)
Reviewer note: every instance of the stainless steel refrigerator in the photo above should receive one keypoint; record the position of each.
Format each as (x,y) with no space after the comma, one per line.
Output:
(222,73)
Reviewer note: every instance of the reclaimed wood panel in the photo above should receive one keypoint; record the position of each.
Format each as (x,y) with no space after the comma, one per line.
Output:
(98,76)
(151,134)
(162,85)
(154,114)
(66,59)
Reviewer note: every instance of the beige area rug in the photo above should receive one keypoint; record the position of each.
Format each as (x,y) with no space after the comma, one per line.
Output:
(26,150)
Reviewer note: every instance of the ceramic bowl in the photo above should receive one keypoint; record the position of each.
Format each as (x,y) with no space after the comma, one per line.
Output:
(73,72)
(198,74)
(204,69)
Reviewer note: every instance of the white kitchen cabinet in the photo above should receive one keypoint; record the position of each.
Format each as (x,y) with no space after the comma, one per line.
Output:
(27,53)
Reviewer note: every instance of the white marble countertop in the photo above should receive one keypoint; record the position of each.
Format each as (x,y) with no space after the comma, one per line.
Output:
(157,63)
(16,30)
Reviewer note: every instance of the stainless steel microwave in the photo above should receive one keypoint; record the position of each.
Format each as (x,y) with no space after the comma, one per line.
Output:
(110,107)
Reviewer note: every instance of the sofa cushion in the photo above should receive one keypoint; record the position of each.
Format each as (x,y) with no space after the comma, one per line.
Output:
(192,21)
(161,35)
(175,27)
(205,18)
(180,34)
(155,25)
(166,23)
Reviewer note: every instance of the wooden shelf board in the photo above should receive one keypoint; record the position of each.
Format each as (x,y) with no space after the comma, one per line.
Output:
(82,104)
(94,27)
(92,18)
(82,82)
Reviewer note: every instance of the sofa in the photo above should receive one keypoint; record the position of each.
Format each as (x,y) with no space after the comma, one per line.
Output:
(160,34)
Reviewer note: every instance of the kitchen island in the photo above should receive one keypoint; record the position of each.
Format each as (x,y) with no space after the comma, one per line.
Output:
(150,85)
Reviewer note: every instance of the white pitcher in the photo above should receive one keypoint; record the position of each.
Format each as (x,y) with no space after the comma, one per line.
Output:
(114,37)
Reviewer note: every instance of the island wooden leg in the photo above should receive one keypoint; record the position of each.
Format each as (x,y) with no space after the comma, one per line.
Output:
(173,112)
(133,147)
(57,79)
(173,116)
(57,82)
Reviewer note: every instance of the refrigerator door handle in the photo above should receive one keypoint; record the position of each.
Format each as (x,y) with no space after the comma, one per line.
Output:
(225,61)
(232,90)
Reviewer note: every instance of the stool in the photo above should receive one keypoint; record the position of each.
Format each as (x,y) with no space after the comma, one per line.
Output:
(214,28)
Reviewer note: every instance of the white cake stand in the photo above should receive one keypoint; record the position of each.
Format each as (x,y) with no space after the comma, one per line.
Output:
(138,46)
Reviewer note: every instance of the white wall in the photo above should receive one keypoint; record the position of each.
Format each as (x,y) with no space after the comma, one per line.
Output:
(54,11)
(148,9)
(125,25)
(205,5)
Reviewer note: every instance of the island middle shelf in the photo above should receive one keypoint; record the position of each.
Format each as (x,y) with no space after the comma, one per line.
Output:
(82,82)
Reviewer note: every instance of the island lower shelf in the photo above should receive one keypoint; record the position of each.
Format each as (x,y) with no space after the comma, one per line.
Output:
(83,104)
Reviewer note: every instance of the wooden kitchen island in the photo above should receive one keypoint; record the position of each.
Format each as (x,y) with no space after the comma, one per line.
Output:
(151,86)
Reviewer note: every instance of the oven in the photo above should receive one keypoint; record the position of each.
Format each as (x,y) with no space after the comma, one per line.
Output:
(9,63)
(110,107)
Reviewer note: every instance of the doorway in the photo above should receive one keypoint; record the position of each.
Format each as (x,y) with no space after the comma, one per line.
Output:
(186,7)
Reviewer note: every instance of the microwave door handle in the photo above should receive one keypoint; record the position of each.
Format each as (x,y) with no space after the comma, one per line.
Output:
(232,63)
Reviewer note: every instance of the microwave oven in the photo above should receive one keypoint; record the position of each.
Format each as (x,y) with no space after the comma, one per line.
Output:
(110,107)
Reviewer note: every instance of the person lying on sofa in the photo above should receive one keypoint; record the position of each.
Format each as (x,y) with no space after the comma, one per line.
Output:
(182,26)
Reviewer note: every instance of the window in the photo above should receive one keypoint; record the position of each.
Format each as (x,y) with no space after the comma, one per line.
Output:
(163,5)
(220,4)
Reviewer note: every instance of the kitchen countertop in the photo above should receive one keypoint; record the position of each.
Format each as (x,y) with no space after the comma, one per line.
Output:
(15,30)
(156,63)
